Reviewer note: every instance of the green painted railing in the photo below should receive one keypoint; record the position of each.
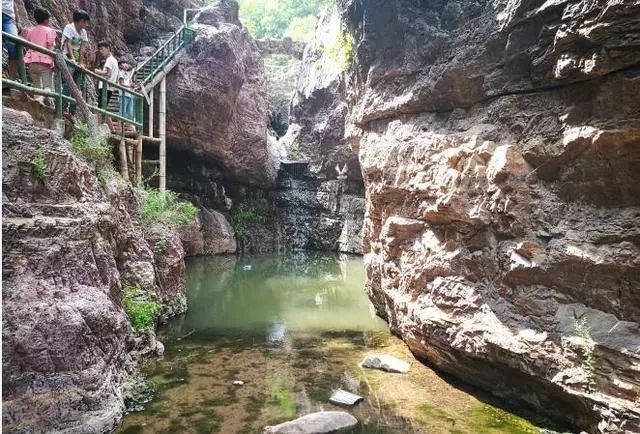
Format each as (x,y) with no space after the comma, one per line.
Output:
(80,73)
(148,70)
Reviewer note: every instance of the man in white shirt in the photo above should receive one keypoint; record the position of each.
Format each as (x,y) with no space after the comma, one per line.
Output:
(110,72)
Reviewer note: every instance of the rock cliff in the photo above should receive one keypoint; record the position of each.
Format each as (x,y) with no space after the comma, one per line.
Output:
(71,243)
(217,101)
(499,148)
(320,205)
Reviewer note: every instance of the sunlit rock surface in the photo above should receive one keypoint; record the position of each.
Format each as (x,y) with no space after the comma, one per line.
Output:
(217,101)
(499,149)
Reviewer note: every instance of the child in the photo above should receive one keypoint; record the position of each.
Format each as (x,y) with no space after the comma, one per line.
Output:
(110,71)
(74,35)
(40,65)
(126,104)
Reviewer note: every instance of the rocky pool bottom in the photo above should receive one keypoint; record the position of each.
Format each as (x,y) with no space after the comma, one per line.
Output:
(293,329)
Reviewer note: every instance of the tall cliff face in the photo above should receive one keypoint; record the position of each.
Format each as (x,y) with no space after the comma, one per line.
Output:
(320,206)
(71,243)
(499,148)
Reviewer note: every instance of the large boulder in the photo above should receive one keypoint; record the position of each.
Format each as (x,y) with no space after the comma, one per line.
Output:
(499,149)
(217,103)
(209,234)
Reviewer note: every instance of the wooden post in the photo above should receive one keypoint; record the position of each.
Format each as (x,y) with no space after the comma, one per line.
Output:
(139,160)
(81,105)
(124,169)
(151,113)
(163,137)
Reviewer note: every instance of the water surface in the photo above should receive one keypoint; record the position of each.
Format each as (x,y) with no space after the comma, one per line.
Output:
(293,329)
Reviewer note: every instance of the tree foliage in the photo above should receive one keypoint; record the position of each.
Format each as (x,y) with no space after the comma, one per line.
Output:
(275,18)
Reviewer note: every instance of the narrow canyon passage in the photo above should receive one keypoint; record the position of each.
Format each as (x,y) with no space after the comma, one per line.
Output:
(271,197)
(293,329)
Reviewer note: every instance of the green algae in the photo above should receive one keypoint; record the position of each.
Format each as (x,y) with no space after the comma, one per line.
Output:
(490,420)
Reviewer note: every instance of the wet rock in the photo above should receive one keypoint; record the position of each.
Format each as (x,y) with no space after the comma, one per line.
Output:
(342,397)
(315,423)
(209,234)
(502,172)
(385,363)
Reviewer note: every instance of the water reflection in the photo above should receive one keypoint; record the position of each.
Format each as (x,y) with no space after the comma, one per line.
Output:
(298,293)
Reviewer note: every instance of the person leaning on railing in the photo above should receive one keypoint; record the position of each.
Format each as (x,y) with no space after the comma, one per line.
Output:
(40,65)
(110,71)
(74,38)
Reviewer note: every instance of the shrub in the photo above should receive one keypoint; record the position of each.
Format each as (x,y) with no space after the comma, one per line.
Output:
(166,208)
(141,307)
(38,166)
(160,247)
(93,147)
(340,50)
(295,152)
(589,364)
(240,218)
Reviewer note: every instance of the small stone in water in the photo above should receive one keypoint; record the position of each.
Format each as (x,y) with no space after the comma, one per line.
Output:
(342,397)
(315,423)
(247,268)
(238,383)
(385,363)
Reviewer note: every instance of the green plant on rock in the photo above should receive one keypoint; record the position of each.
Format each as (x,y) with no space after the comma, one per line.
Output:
(38,166)
(141,307)
(166,207)
(92,147)
(160,247)
(295,152)
(340,50)
(242,217)
(589,363)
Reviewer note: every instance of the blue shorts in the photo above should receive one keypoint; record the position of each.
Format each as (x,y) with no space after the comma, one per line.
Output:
(9,26)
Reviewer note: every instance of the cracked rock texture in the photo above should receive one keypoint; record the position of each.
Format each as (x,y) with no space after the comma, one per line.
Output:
(69,246)
(500,148)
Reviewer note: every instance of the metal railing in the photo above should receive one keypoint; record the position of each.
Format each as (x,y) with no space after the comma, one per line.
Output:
(79,73)
(151,67)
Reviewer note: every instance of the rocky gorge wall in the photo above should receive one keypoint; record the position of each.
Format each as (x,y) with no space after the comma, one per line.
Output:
(72,242)
(499,145)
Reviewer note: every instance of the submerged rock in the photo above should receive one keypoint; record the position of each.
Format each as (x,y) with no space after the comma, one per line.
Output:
(342,397)
(385,363)
(315,423)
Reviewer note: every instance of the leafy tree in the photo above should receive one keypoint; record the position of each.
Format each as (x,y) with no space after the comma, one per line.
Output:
(301,28)
(274,18)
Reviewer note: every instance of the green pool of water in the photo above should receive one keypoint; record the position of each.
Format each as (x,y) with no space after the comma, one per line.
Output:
(293,329)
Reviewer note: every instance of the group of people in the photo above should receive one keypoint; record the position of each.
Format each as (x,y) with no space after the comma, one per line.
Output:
(74,43)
